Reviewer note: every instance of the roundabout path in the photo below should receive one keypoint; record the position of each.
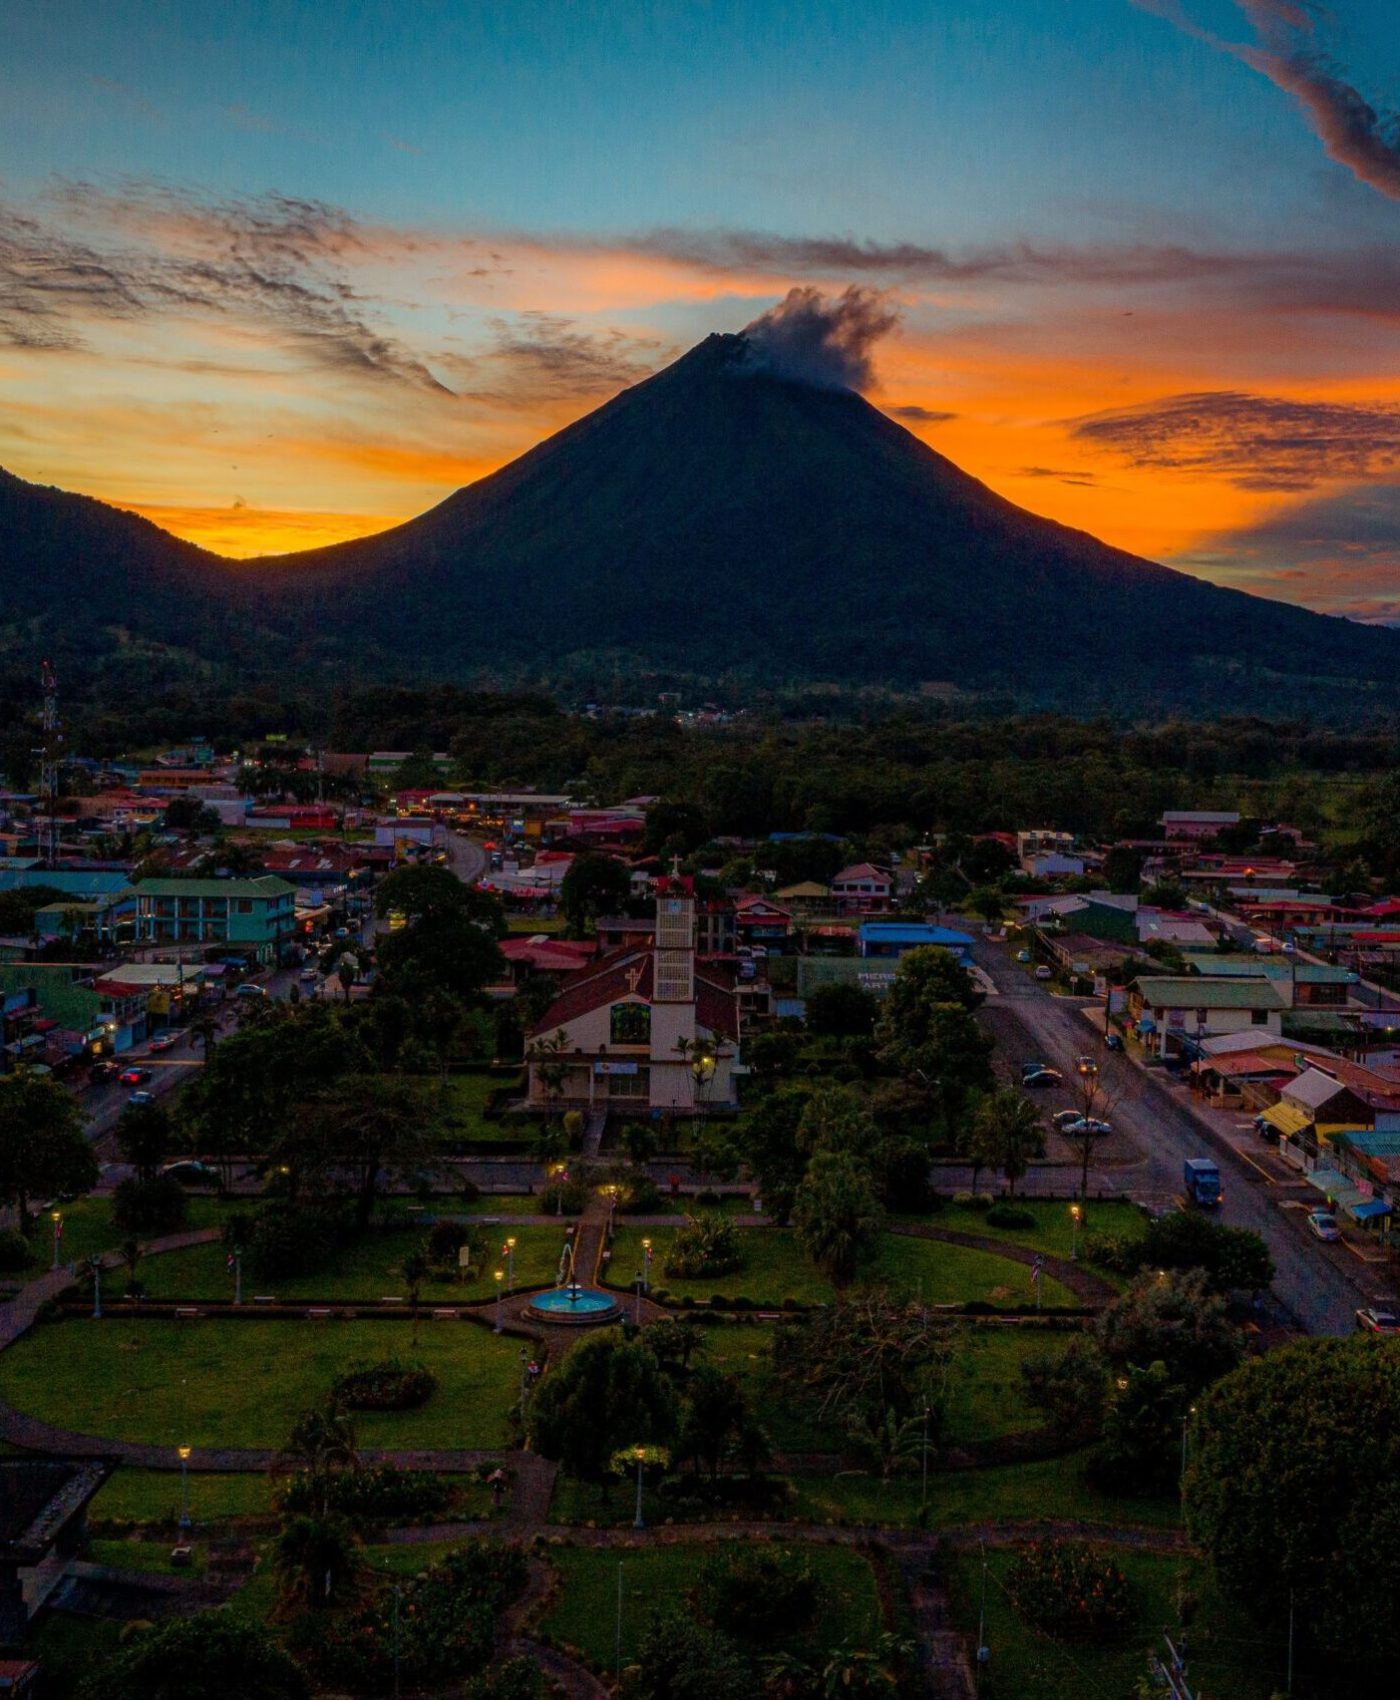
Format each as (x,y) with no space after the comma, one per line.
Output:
(1091,1289)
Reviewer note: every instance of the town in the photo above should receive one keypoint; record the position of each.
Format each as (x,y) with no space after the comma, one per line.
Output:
(428,1187)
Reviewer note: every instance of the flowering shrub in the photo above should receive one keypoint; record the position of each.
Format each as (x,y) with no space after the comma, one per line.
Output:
(1071,1591)
(390,1386)
(375,1494)
(446,1624)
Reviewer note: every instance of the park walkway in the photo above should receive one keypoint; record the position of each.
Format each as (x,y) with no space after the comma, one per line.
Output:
(1088,1288)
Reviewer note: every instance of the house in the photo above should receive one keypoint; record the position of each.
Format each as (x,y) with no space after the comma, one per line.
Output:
(256,916)
(646,1028)
(75,1019)
(1048,855)
(1194,824)
(1173,1013)
(806,898)
(862,889)
(894,938)
(1310,985)
(761,921)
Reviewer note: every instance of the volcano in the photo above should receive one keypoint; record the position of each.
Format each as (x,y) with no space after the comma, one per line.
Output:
(721,521)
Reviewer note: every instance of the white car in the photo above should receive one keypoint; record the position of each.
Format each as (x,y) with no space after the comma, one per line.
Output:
(1324,1224)
(1044,973)
(1077,1126)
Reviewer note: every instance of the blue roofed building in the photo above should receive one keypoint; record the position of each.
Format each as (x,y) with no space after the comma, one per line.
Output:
(894,938)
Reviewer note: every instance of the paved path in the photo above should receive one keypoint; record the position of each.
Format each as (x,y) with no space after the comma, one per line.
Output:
(1089,1288)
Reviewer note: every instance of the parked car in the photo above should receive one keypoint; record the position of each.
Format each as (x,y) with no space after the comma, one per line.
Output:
(1372,1321)
(1266,1130)
(1023,956)
(251,991)
(166,1042)
(104,1070)
(1324,1224)
(189,1171)
(1044,972)
(1078,1126)
(142,1097)
(1044,1076)
(309,973)
(134,1076)
(1113,1041)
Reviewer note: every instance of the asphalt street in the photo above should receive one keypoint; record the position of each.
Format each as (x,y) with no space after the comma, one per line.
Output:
(1156,1127)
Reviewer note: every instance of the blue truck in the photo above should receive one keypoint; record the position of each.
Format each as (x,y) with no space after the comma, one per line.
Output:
(1201,1178)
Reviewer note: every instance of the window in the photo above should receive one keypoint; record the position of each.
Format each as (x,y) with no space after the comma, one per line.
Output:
(1202,1016)
(1258,1017)
(636,1085)
(243,905)
(631,1024)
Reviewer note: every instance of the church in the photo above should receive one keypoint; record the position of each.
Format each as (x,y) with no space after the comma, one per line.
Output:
(644,1028)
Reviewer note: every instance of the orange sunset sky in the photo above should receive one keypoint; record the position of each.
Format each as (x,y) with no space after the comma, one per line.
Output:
(277,288)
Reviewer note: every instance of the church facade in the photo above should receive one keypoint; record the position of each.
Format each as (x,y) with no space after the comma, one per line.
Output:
(644,1028)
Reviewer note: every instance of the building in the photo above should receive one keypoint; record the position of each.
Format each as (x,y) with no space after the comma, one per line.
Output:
(895,938)
(43,1527)
(1192,825)
(256,917)
(66,1017)
(862,889)
(1173,1013)
(761,921)
(647,1028)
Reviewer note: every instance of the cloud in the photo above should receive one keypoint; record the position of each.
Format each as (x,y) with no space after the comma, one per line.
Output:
(919,415)
(1339,552)
(1286,51)
(142,254)
(544,357)
(1257,442)
(1061,475)
(827,341)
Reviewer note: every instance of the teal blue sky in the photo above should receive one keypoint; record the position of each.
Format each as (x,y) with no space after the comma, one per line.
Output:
(1141,254)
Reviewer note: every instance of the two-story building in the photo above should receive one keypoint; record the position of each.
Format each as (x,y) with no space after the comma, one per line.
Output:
(862,889)
(255,917)
(1173,1013)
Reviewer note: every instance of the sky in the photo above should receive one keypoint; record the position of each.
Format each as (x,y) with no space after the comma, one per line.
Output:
(280,272)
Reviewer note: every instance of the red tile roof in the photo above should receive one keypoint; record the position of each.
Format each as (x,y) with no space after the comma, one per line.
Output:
(628,971)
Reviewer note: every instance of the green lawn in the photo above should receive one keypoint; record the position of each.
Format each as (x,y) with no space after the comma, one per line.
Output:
(152,1557)
(88,1227)
(775,1268)
(370,1268)
(1050,1488)
(210,1383)
(153,1496)
(585,1611)
(1228,1659)
(458,1103)
(1054,1228)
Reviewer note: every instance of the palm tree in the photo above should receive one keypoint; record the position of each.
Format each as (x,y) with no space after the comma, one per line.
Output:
(317,1560)
(205,1028)
(1006,1134)
(320,1447)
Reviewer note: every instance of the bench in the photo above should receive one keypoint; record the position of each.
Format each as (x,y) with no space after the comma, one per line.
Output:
(445,1315)
(185,1312)
(264,1298)
(319,1312)
(391,1299)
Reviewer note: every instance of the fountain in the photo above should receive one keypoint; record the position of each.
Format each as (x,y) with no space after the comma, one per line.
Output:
(569,1303)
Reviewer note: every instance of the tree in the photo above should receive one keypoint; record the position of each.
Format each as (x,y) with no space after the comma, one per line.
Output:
(680,1658)
(145,1138)
(714,1415)
(835,1118)
(772,1155)
(317,1560)
(1232,1258)
(212,1656)
(347,971)
(43,1144)
(1069,1387)
(415,1270)
(675,829)
(988,901)
(204,1027)
(1122,870)
(455,952)
(320,1448)
(1290,1457)
(356,1133)
(606,1395)
(836,1215)
(1006,1134)
(1173,1318)
(840,1011)
(1140,1452)
(593,886)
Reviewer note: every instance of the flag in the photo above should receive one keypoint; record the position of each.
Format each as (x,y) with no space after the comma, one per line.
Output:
(230,1260)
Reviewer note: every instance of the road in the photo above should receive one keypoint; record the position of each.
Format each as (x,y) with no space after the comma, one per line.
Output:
(1157,1127)
(466,857)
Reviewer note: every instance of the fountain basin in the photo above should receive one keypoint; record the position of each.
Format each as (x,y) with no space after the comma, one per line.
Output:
(577,1306)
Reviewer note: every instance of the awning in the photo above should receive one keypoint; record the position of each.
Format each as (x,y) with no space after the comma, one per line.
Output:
(1369,1209)
(1145,1024)
(1286,1118)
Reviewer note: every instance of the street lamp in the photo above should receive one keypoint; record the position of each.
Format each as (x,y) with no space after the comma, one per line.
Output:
(1075,1213)
(500,1276)
(639,1522)
(184,1455)
(57,1235)
(646,1265)
(637,1284)
(510,1263)
(1185,1432)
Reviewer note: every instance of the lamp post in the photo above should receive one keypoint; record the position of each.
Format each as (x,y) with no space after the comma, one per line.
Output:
(510,1264)
(1075,1214)
(646,1266)
(57,1235)
(637,1288)
(95,1264)
(184,1456)
(524,1374)
(499,1278)
(923,1501)
(639,1522)
(1185,1437)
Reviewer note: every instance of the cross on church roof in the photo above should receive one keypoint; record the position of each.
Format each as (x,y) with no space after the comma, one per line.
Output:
(633,975)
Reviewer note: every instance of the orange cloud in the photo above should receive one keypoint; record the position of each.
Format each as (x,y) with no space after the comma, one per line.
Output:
(245,532)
